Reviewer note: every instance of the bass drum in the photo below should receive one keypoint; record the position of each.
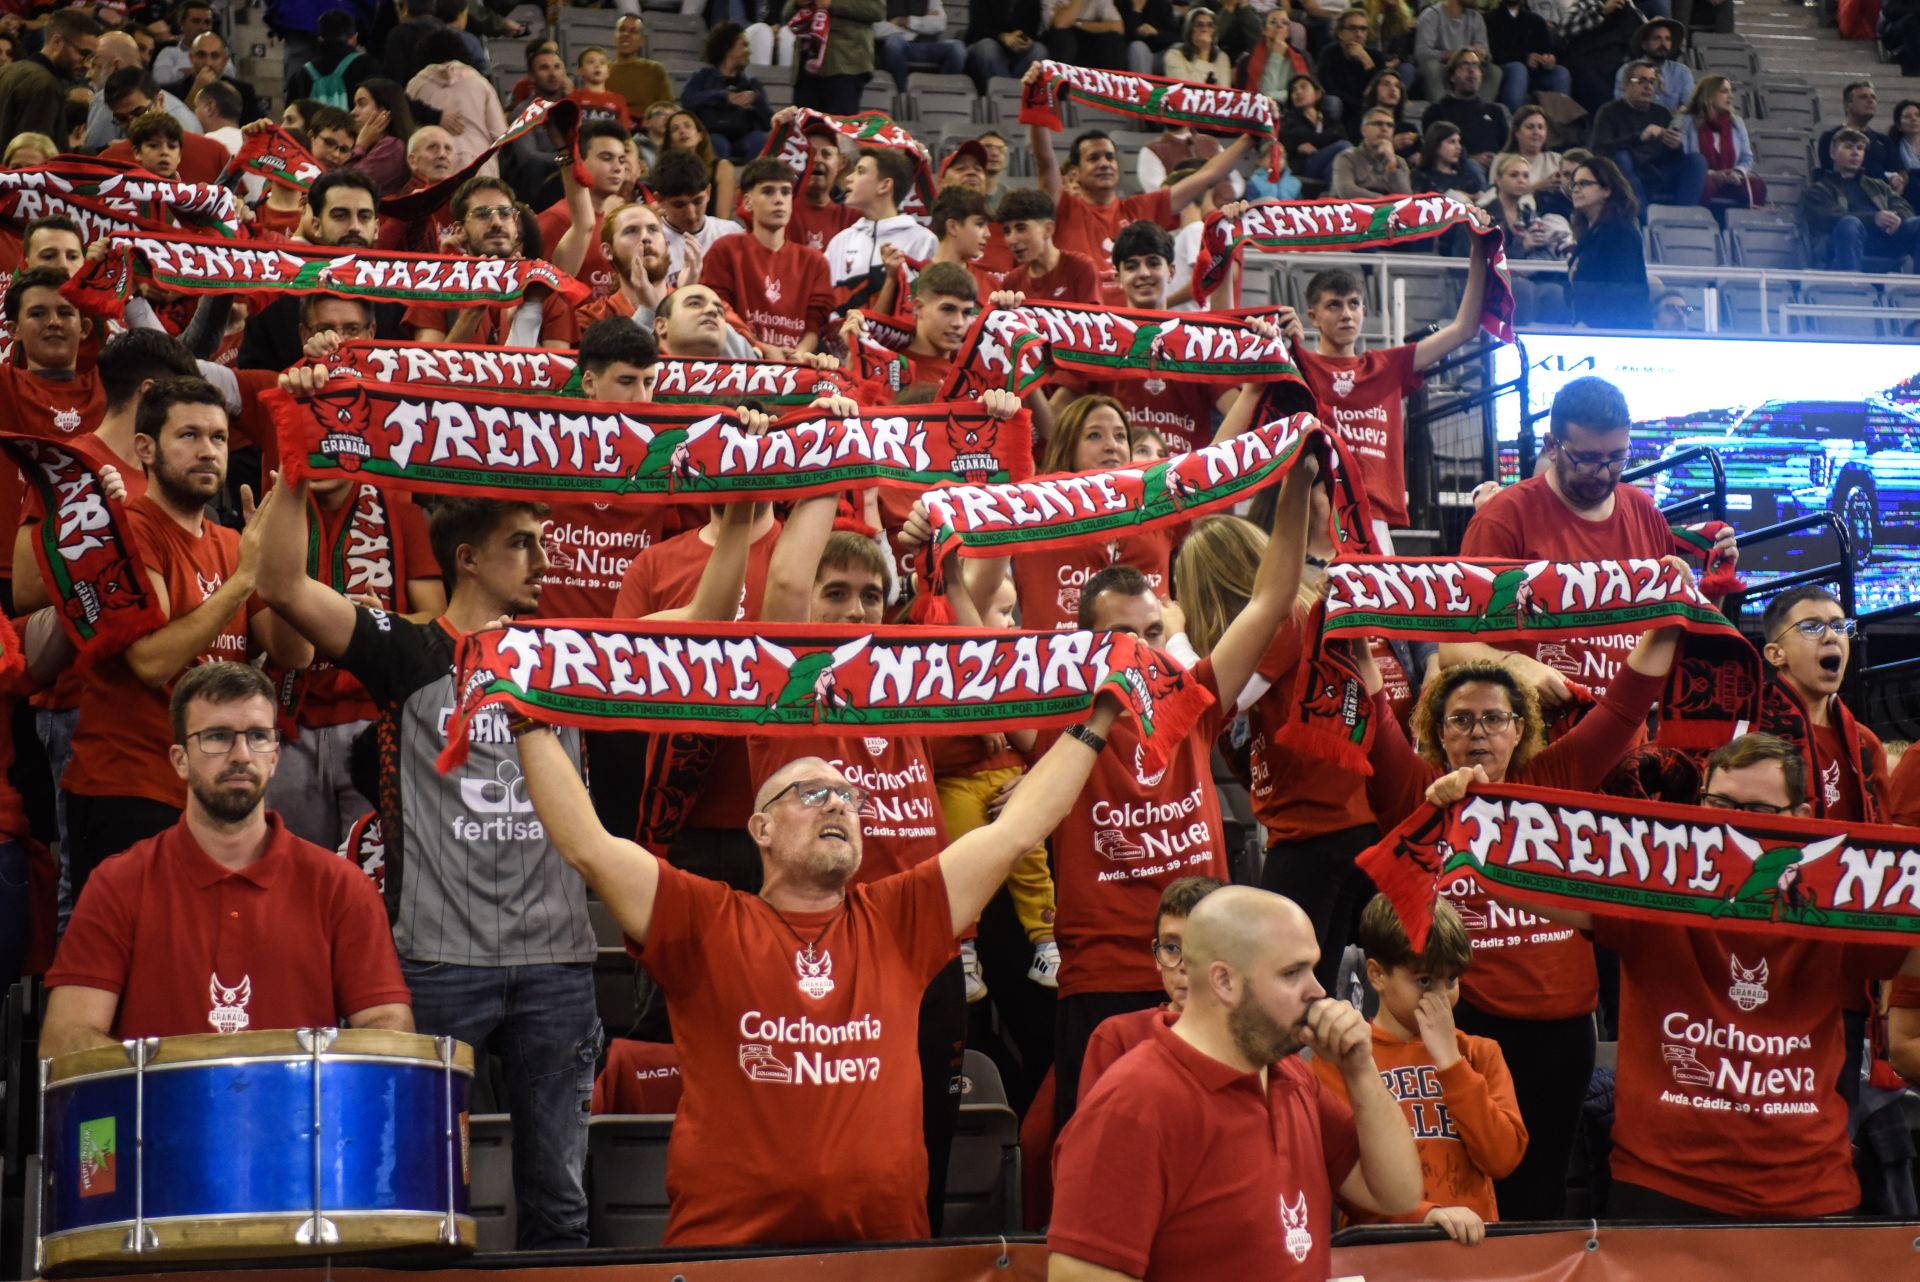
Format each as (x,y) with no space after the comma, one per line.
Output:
(305,1142)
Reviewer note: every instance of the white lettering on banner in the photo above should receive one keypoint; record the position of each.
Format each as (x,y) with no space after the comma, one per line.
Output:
(530,371)
(82,508)
(822,443)
(497,437)
(1536,836)
(1431,588)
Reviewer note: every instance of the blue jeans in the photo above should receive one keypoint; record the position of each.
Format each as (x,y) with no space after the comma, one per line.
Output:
(542,1023)
(749,146)
(1319,166)
(1517,80)
(16,911)
(900,54)
(989,58)
(1854,238)
(1678,180)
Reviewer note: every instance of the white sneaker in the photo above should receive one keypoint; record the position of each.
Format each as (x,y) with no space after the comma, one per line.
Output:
(1045,970)
(970,968)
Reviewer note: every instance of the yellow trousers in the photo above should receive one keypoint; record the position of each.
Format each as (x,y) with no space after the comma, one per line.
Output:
(964,800)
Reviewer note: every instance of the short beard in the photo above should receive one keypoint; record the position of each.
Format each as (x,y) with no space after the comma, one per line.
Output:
(177,492)
(228,807)
(1257,1037)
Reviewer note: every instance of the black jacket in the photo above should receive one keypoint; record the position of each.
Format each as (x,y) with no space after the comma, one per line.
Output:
(987,21)
(1511,37)
(1607,280)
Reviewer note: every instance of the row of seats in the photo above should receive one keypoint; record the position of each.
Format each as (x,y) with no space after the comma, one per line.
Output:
(627,1171)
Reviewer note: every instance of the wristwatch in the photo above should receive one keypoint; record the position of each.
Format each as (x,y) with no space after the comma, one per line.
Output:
(521,725)
(1080,731)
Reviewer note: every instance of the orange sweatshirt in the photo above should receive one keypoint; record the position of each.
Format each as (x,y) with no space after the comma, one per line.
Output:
(1466,1122)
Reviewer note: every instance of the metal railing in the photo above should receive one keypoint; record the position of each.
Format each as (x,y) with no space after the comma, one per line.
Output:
(1455,401)
(1713,503)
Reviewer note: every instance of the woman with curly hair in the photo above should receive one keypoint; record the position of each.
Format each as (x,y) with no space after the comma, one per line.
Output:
(1532,987)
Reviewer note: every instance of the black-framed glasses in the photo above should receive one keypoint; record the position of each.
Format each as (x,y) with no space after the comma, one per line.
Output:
(1814,629)
(1714,801)
(1581,184)
(219,741)
(814,795)
(1465,723)
(1594,460)
(1168,955)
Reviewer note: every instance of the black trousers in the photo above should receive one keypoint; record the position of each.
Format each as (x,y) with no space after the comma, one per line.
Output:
(943,1046)
(1551,1061)
(1320,876)
(101,827)
(1073,1026)
(1014,1025)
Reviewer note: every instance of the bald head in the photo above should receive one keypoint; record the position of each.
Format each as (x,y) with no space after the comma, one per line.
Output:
(430,154)
(1250,957)
(117,49)
(1235,924)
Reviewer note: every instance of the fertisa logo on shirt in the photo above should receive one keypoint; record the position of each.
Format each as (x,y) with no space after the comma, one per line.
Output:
(97,1153)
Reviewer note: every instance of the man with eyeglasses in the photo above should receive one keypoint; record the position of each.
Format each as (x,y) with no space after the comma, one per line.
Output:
(344,212)
(490,220)
(225,921)
(1573,509)
(1728,1096)
(1637,133)
(1444,30)
(1672,312)
(810,1031)
(33,89)
(1483,124)
(1661,41)
(1808,642)
(1349,64)
(1373,168)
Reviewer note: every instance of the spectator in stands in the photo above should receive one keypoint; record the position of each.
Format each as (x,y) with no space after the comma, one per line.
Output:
(730,103)
(1387,90)
(1784,1162)
(492,224)
(1197,57)
(650,134)
(963,221)
(1860,101)
(337,59)
(448,83)
(686,132)
(131,92)
(1662,42)
(25,151)
(1530,234)
(1312,141)
(1527,139)
(597,102)
(1116,1036)
(1275,59)
(1672,313)
(332,134)
(155,141)
(1152,28)
(638,79)
(1850,214)
(633,241)
(1808,643)
(1444,165)
(1347,64)
(399,62)
(995,146)
(945,299)
(307,946)
(218,111)
(1639,136)
(681,188)
(384,120)
(780,289)
(1712,129)
(209,58)
(528,162)
(881,178)
(1904,140)
(1482,123)
(847,62)
(430,158)
(570,228)
(203,576)
(1042,270)
(1607,275)
(117,52)
(1004,40)
(1445,29)
(1372,168)
(1087,33)
(914,38)
(1522,45)
(192,19)
(1174,1167)
(1598,36)
(1453,1087)
(817,216)
(33,89)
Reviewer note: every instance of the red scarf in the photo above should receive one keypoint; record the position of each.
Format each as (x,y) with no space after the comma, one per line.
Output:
(686,381)
(102,196)
(272,154)
(417,206)
(788,144)
(1716,141)
(1209,108)
(524,369)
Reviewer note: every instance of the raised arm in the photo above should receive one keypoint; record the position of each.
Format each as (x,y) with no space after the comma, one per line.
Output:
(570,251)
(1458,332)
(159,657)
(976,865)
(796,560)
(315,611)
(1237,654)
(1201,180)
(1046,166)
(623,875)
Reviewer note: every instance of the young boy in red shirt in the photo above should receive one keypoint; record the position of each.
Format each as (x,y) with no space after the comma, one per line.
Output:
(1119,1034)
(1043,271)
(780,288)
(1453,1087)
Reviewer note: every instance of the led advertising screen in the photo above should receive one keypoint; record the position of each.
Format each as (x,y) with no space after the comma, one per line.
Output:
(1800,427)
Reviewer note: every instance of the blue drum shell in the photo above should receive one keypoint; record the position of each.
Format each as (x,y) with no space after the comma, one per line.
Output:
(237,1138)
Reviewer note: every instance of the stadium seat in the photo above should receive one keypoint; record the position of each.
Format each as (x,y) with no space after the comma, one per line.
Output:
(983,1171)
(1683,235)
(879,96)
(670,47)
(1740,307)
(490,1197)
(627,1179)
(687,22)
(1906,297)
(1837,295)
(936,96)
(616,976)
(1790,105)
(1764,238)
(1431,299)
(1003,96)
(1257,287)
(1784,191)
(1725,55)
(1779,150)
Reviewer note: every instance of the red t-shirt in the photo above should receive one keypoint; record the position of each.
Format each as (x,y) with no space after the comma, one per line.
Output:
(996,260)
(1129,836)
(1178,410)
(1528,521)
(1839,780)
(638,1077)
(1903,791)
(278,222)
(558,321)
(1049,582)
(1730,1053)
(298,939)
(202,160)
(121,738)
(599,104)
(815,227)
(1362,398)
(1114,1036)
(787,1061)
(333,697)
(590,547)
(1074,279)
(782,295)
(1296,795)
(1090,229)
(902,825)
(665,576)
(37,405)
(1179,1166)
(595,271)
